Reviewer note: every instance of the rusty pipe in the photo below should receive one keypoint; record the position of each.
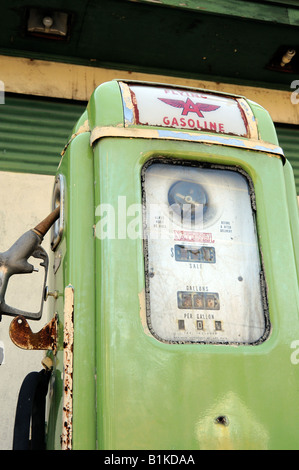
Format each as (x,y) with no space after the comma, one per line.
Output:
(15,261)
(42,228)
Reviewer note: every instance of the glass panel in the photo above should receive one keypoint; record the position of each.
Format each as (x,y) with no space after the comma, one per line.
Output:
(202,260)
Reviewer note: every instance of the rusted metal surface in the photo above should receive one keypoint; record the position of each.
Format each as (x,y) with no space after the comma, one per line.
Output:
(251,122)
(169,134)
(45,224)
(67,413)
(23,337)
(84,128)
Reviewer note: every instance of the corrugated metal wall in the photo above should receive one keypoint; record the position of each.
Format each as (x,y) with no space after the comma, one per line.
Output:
(33,132)
(288,137)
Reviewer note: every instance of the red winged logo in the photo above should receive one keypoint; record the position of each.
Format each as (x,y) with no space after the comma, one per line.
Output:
(190,107)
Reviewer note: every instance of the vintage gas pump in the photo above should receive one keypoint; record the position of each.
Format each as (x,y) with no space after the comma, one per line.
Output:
(176,276)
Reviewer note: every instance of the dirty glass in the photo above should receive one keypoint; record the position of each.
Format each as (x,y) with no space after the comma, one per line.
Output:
(204,281)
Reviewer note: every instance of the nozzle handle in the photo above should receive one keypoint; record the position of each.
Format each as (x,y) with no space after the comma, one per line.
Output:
(15,261)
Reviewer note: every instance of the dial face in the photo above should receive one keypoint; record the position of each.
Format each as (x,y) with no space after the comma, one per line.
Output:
(188,198)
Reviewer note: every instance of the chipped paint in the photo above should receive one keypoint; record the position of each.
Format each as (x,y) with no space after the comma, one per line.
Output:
(84,128)
(110,131)
(204,138)
(127,104)
(247,144)
(230,425)
(250,118)
(67,410)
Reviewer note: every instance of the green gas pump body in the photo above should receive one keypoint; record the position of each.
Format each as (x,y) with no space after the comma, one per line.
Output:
(152,352)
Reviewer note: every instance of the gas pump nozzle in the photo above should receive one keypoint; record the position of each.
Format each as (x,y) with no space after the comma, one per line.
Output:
(14,261)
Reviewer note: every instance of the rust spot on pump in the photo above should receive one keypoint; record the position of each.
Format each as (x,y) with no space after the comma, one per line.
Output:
(67,410)
(223,420)
(23,337)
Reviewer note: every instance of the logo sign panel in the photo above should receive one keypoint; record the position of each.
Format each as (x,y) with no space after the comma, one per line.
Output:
(185,109)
